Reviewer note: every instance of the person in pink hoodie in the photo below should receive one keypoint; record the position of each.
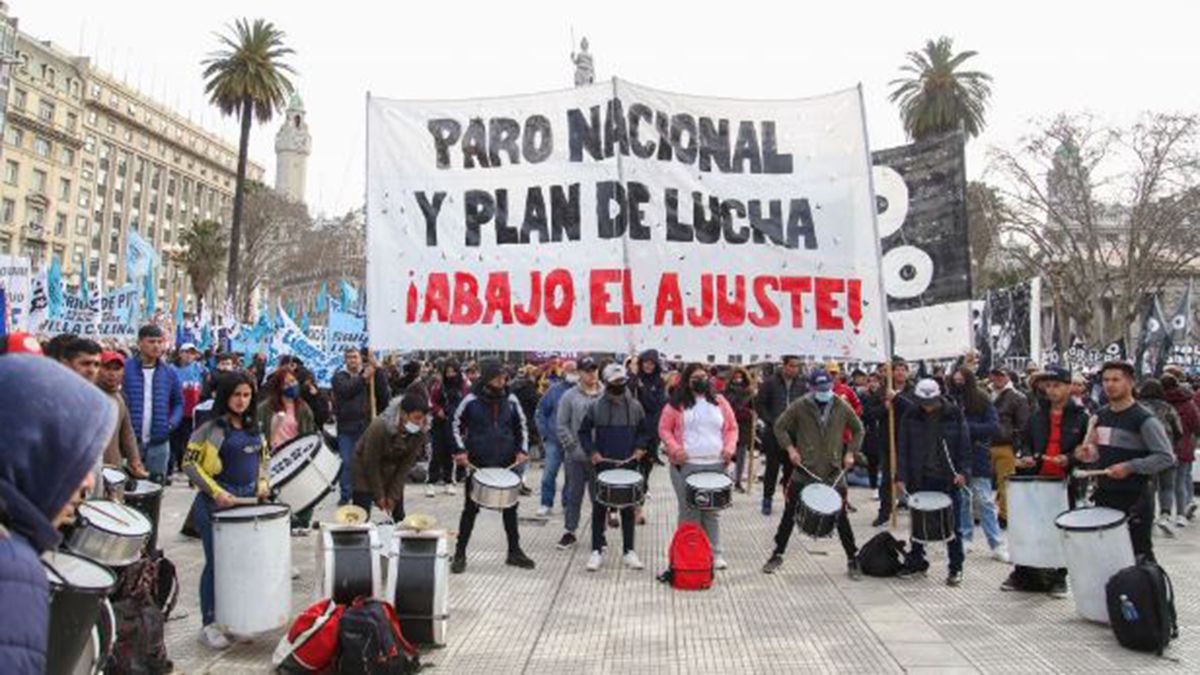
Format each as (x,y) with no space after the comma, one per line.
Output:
(699,431)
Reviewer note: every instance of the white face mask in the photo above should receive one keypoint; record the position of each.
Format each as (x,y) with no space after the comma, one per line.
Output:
(571,378)
(411,427)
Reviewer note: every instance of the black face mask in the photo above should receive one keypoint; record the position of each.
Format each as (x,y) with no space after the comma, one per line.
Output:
(699,387)
(617,390)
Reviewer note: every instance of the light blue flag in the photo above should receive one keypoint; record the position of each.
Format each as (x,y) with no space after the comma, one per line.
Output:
(140,256)
(54,288)
(150,292)
(304,322)
(322,298)
(349,296)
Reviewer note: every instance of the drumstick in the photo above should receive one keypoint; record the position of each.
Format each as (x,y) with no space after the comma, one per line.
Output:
(1089,473)
(114,517)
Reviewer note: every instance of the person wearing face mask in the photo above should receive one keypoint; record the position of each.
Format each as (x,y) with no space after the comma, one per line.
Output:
(700,433)
(812,430)
(740,392)
(572,407)
(282,417)
(444,397)
(46,457)
(388,448)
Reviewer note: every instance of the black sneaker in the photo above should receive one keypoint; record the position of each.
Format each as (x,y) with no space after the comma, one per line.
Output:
(913,571)
(458,564)
(1058,590)
(525,490)
(880,520)
(853,571)
(1191,512)
(772,564)
(568,540)
(1009,585)
(955,579)
(518,558)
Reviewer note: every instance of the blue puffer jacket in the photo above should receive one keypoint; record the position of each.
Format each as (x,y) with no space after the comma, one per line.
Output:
(615,428)
(55,425)
(168,400)
(547,410)
(491,430)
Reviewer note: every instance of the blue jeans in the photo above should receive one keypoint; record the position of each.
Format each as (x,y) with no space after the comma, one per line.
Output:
(981,494)
(202,510)
(156,457)
(916,553)
(554,460)
(346,443)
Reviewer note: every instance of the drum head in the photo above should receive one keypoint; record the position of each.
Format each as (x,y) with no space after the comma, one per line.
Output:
(929,501)
(501,479)
(620,477)
(1034,479)
(709,480)
(255,512)
(113,475)
(67,570)
(113,517)
(141,488)
(292,456)
(1089,518)
(821,498)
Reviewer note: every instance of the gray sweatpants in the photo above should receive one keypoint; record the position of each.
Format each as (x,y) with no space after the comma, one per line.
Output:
(709,520)
(1175,489)
(579,476)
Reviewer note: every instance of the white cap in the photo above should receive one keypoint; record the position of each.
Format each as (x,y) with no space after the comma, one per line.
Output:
(614,373)
(927,390)
(188,347)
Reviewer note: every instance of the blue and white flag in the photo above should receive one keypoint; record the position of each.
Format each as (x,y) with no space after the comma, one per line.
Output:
(140,256)
(54,287)
(349,296)
(322,298)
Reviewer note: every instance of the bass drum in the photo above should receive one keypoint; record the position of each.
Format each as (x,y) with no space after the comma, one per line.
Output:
(146,497)
(78,595)
(348,563)
(418,575)
(252,568)
(303,471)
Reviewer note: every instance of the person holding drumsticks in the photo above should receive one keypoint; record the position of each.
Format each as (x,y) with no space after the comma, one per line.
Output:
(388,448)
(614,431)
(489,432)
(812,429)
(226,459)
(1129,444)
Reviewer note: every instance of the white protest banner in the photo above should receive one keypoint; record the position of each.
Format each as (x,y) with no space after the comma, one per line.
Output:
(289,339)
(107,316)
(15,272)
(346,330)
(616,217)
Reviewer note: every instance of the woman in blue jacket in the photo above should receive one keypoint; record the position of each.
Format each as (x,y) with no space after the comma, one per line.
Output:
(982,424)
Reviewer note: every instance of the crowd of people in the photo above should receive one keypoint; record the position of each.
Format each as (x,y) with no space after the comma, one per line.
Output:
(214,419)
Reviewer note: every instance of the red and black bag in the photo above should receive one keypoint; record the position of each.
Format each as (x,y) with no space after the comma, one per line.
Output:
(311,644)
(370,641)
(691,559)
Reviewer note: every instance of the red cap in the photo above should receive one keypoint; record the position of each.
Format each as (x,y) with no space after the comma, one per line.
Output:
(21,343)
(109,357)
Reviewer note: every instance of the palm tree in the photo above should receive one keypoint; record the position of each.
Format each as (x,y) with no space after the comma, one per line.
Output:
(936,97)
(247,77)
(205,242)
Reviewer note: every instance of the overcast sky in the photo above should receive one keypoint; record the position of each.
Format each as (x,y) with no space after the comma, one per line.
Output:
(1046,57)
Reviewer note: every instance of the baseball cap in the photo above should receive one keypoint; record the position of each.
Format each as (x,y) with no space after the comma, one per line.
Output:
(614,373)
(588,363)
(820,380)
(110,357)
(188,347)
(927,391)
(1054,374)
(20,343)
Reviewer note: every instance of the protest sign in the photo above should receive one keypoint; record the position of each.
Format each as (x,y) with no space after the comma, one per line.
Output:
(15,272)
(615,217)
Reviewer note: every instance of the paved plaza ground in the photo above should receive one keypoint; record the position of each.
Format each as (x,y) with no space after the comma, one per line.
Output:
(808,617)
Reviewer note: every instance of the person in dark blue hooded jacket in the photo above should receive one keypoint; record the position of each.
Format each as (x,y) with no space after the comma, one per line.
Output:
(56,425)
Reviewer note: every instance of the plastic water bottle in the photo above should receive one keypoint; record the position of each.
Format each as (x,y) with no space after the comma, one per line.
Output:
(1128,610)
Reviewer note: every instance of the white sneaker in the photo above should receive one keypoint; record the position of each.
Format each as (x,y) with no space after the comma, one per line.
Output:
(1180,521)
(449,489)
(594,561)
(213,638)
(430,491)
(1000,553)
(719,563)
(633,562)
(1164,524)
(968,547)
(543,511)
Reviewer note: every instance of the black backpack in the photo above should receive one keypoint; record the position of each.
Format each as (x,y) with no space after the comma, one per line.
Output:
(1141,607)
(882,556)
(370,642)
(143,599)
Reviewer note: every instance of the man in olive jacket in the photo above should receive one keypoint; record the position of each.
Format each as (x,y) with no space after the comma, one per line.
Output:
(811,430)
(388,448)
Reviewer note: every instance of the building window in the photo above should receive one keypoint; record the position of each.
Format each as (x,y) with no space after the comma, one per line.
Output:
(36,216)
(14,136)
(74,88)
(79,253)
(81,229)
(72,121)
(89,143)
(91,118)
(39,181)
(12,172)
(48,75)
(46,111)
(85,198)
(41,146)
(8,211)
(88,171)
(60,225)
(5,244)
(67,156)
(64,189)
(97,92)
(19,97)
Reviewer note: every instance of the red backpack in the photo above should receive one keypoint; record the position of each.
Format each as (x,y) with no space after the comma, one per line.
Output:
(311,644)
(691,559)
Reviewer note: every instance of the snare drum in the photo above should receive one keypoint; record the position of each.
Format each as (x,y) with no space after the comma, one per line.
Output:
(709,490)
(495,488)
(252,568)
(303,471)
(348,563)
(1096,545)
(417,584)
(146,496)
(932,517)
(817,510)
(109,533)
(114,483)
(618,488)
(78,590)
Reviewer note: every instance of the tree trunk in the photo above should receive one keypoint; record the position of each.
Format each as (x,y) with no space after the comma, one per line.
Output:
(239,195)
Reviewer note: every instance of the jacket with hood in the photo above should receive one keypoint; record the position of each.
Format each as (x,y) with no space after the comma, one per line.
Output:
(981,427)
(123,445)
(615,428)
(385,453)
(918,449)
(351,399)
(489,427)
(572,408)
(55,425)
(167,398)
(818,436)
(1189,416)
(1073,430)
(650,389)
(774,396)
(1012,409)
(671,431)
